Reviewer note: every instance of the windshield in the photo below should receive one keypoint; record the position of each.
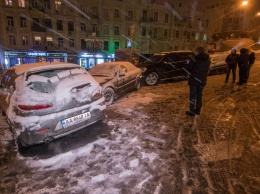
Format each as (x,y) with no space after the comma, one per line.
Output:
(103,70)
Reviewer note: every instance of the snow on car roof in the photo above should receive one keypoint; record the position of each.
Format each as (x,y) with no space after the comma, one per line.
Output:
(20,69)
(115,63)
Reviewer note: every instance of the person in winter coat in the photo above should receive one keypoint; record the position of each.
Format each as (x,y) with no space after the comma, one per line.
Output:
(250,63)
(198,69)
(231,60)
(243,61)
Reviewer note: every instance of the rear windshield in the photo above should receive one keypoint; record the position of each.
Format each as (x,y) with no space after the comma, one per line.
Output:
(107,70)
(46,81)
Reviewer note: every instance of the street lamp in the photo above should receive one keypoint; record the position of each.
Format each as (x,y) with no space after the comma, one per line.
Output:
(244,3)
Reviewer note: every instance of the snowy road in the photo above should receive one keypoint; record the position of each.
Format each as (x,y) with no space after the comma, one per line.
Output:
(147,144)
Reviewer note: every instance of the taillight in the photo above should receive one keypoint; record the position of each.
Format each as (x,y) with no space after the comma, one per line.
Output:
(42,130)
(34,107)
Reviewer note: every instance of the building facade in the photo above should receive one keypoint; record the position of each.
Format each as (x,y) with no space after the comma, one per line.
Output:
(231,19)
(88,32)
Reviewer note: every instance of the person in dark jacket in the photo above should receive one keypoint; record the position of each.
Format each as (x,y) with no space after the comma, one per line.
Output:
(231,60)
(198,71)
(250,63)
(243,61)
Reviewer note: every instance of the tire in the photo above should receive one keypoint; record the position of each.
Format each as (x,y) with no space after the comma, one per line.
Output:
(2,113)
(138,84)
(109,95)
(21,145)
(151,79)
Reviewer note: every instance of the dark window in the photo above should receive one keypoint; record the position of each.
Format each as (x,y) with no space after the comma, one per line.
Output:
(60,42)
(47,4)
(48,23)
(59,25)
(36,22)
(144,15)
(83,44)
(106,45)
(22,22)
(116,45)
(70,26)
(71,42)
(10,21)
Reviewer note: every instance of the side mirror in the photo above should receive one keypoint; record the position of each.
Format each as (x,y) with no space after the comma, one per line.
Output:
(121,74)
(166,62)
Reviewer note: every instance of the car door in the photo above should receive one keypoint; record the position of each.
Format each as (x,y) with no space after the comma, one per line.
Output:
(181,61)
(122,77)
(166,67)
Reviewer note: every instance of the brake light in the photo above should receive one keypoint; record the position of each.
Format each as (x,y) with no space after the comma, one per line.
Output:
(42,130)
(34,107)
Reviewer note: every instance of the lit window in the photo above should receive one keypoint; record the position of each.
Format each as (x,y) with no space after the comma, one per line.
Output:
(57,6)
(21,3)
(25,40)
(8,2)
(197,36)
(205,37)
(49,41)
(37,40)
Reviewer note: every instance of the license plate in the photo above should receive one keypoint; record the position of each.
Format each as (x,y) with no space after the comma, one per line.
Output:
(76,119)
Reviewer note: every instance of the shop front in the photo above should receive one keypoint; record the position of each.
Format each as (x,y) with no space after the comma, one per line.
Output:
(13,58)
(88,61)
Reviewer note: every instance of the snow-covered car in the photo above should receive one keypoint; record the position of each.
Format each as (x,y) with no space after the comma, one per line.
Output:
(45,101)
(218,64)
(116,78)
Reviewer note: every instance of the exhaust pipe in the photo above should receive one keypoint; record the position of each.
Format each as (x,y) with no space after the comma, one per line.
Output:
(47,139)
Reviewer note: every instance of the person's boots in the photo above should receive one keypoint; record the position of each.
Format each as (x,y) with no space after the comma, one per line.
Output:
(190,113)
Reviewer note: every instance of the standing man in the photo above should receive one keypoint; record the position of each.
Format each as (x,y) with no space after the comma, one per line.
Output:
(231,60)
(250,63)
(243,61)
(198,69)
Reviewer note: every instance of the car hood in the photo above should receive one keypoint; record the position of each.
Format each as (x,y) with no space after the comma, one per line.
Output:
(101,79)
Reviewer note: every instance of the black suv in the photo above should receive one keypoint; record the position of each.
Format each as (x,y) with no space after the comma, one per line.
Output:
(165,65)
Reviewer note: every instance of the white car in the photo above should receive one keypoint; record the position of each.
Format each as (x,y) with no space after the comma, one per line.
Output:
(218,64)
(44,101)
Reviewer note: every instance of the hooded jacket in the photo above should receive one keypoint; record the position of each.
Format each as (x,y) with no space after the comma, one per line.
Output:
(243,59)
(199,69)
